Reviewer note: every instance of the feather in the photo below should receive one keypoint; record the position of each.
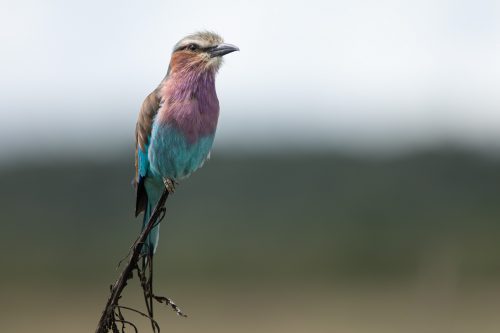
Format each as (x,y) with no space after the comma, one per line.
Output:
(143,128)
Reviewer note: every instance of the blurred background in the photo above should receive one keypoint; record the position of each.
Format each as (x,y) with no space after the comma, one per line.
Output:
(354,184)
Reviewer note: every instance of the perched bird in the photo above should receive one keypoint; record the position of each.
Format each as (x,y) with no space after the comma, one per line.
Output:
(177,122)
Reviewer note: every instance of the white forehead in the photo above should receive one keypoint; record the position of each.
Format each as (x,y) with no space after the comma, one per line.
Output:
(203,39)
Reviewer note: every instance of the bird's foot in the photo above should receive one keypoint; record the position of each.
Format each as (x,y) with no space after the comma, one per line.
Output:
(170,185)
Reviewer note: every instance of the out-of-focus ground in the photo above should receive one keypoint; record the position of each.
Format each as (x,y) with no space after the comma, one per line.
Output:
(317,242)
(290,308)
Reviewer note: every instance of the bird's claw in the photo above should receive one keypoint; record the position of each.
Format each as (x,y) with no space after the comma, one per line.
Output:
(170,185)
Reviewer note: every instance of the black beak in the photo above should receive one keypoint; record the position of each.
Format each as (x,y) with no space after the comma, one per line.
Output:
(222,49)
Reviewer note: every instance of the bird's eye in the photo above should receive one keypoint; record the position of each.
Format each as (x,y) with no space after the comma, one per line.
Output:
(192,47)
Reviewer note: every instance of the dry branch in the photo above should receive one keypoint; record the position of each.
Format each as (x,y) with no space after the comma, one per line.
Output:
(111,314)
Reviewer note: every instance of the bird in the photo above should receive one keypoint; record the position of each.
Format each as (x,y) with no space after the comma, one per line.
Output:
(177,122)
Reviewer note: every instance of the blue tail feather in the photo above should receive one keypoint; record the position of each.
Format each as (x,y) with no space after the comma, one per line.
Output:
(151,241)
(154,190)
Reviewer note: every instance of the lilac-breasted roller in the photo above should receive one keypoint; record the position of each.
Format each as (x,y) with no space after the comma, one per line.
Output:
(177,122)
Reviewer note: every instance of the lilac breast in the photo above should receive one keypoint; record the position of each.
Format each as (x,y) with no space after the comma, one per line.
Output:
(190,104)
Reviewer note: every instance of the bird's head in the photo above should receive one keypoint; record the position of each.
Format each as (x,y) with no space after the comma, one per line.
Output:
(201,51)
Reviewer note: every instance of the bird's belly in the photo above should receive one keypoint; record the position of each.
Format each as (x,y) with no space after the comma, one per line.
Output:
(171,155)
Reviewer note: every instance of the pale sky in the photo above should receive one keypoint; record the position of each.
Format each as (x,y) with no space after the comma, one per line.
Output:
(312,73)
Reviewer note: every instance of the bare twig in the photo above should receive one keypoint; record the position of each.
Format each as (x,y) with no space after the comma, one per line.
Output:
(108,318)
(168,302)
(125,322)
(154,322)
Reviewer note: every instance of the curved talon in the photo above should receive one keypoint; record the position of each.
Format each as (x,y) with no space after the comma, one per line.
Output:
(170,185)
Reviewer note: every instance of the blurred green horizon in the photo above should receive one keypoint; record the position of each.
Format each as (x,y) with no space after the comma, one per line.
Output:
(333,213)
